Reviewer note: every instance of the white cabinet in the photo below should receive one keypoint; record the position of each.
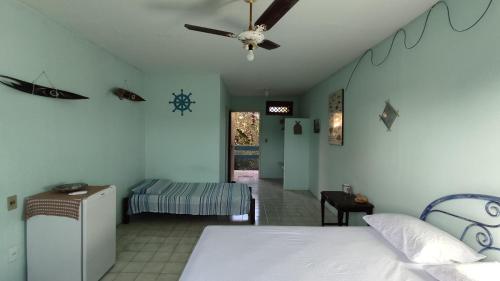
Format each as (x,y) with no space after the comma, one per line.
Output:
(65,249)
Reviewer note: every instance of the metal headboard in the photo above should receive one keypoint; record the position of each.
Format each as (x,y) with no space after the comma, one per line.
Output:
(483,233)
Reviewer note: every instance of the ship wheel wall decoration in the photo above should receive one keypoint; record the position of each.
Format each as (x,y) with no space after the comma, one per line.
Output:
(182,102)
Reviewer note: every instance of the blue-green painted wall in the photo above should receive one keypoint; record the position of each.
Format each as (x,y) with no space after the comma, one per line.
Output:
(297,154)
(44,141)
(447,90)
(224,130)
(184,148)
(271,152)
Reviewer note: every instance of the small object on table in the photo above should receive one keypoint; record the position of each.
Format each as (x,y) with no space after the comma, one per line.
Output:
(70,187)
(83,192)
(360,199)
(347,188)
(344,203)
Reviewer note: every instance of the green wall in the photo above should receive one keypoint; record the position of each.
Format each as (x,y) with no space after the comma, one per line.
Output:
(184,148)
(44,141)
(271,152)
(445,141)
(224,130)
(297,155)
(447,90)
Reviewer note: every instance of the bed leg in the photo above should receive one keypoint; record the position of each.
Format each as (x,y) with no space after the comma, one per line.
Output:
(251,216)
(125,215)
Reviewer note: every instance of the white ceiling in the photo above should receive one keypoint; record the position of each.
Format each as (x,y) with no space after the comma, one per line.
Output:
(317,36)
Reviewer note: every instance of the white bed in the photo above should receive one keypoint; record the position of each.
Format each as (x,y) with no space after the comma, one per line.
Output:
(246,253)
(280,253)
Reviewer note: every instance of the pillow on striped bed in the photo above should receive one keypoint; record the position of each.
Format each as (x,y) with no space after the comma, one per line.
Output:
(152,186)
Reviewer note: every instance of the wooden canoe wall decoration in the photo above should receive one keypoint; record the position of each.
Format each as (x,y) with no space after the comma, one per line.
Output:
(126,94)
(38,90)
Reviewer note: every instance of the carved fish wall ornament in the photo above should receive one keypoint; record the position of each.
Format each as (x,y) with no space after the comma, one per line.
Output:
(34,89)
(297,128)
(125,94)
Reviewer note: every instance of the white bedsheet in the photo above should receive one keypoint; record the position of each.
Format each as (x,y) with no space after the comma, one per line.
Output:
(273,253)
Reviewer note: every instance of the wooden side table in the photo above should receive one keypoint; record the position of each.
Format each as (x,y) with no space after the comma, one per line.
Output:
(344,203)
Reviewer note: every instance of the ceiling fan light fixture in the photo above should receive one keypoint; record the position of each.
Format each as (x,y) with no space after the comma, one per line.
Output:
(254,36)
(250,55)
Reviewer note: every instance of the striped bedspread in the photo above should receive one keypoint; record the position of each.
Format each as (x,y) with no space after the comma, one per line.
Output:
(163,196)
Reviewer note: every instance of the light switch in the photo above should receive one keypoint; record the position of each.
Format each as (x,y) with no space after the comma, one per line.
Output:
(12,203)
(12,254)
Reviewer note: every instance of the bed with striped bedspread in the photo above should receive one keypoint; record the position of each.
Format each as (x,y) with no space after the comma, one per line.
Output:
(166,197)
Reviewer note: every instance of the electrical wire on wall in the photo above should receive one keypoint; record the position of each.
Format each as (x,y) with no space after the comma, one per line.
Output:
(409,47)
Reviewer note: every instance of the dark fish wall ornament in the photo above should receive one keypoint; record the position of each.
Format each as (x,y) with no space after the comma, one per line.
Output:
(297,128)
(389,115)
(126,94)
(38,90)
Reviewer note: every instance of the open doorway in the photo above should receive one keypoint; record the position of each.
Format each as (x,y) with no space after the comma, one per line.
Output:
(244,150)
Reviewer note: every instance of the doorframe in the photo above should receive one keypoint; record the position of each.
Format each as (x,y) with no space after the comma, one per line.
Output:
(230,165)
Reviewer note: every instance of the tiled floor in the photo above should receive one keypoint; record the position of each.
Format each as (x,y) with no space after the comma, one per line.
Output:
(246,176)
(154,248)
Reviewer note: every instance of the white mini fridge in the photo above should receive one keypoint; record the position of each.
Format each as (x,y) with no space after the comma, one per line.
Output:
(65,249)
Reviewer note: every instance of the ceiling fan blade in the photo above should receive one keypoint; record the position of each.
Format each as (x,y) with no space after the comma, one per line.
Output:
(275,12)
(210,30)
(269,45)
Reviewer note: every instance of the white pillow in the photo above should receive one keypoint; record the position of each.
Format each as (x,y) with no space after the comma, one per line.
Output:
(479,271)
(420,241)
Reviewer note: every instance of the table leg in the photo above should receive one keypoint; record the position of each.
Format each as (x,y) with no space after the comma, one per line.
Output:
(322,211)
(340,217)
(347,218)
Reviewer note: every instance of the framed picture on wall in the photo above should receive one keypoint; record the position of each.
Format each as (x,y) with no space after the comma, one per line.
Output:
(336,119)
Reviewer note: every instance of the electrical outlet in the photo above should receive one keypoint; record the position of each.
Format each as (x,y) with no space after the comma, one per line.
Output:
(12,203)
(12,254)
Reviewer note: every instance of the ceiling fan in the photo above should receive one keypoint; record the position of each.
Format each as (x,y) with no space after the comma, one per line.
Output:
(254,36)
